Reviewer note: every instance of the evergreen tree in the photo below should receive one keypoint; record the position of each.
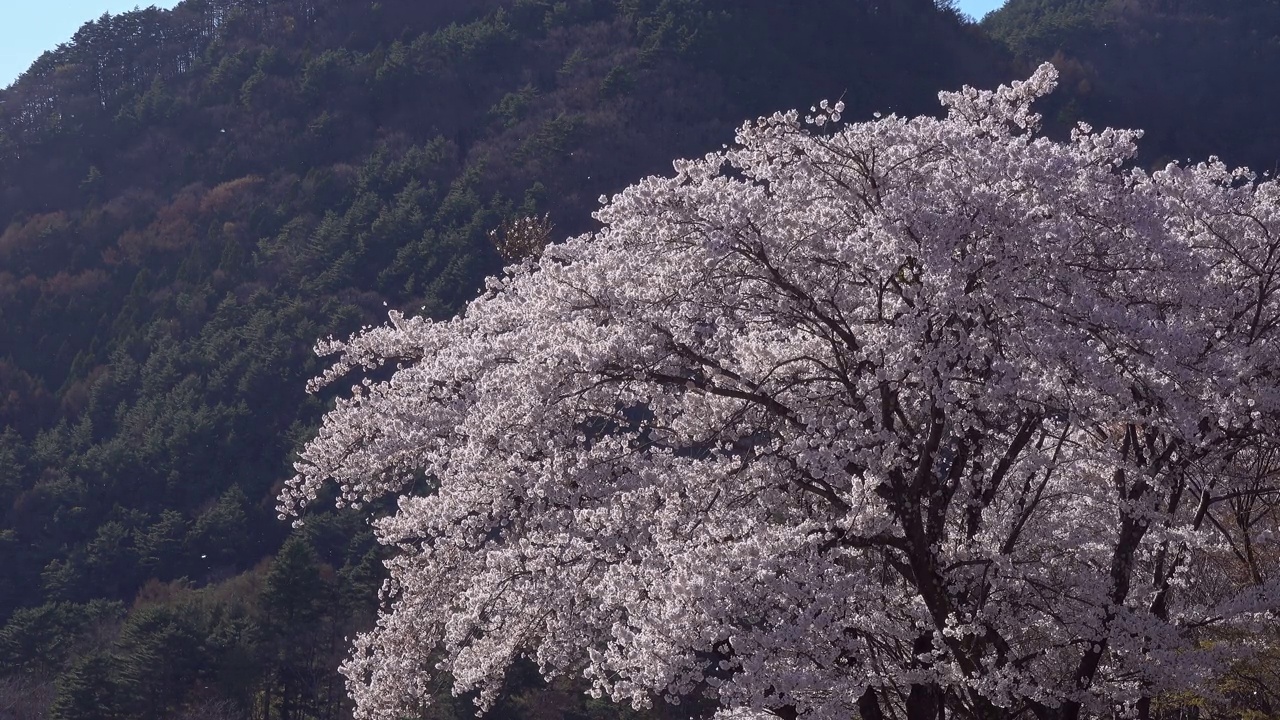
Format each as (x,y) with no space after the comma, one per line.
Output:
(89,691)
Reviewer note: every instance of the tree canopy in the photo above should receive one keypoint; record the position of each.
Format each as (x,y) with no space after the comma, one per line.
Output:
(189,197)
(872,419)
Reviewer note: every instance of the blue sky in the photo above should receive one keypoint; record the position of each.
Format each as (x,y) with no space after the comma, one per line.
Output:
(29,27)
(978,8)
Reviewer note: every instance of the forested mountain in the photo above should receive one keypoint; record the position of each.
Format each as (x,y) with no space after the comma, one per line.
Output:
(190,198)
(1197,75)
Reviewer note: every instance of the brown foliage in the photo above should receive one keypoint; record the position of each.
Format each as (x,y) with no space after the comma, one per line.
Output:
(24,697)
(172,229)
(27,236)
(229,195)
(65,284)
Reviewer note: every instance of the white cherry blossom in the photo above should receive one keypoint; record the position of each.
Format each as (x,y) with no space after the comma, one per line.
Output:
(869,419)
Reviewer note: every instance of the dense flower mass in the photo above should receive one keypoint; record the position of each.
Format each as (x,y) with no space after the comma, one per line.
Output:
(865,419)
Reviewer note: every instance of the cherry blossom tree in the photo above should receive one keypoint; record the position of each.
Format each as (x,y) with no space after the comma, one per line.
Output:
(900,418)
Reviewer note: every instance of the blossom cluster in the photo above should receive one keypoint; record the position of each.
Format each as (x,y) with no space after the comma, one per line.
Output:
(878,414)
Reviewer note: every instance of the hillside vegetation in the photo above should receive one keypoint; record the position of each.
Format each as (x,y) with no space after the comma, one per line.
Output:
(190,198)
(1197,75)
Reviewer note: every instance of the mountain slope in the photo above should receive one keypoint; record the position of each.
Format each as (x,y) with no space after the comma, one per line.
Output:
(189,198)
(1196,75)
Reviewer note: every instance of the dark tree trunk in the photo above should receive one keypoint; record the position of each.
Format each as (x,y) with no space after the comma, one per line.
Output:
(925,701)
(869,706)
